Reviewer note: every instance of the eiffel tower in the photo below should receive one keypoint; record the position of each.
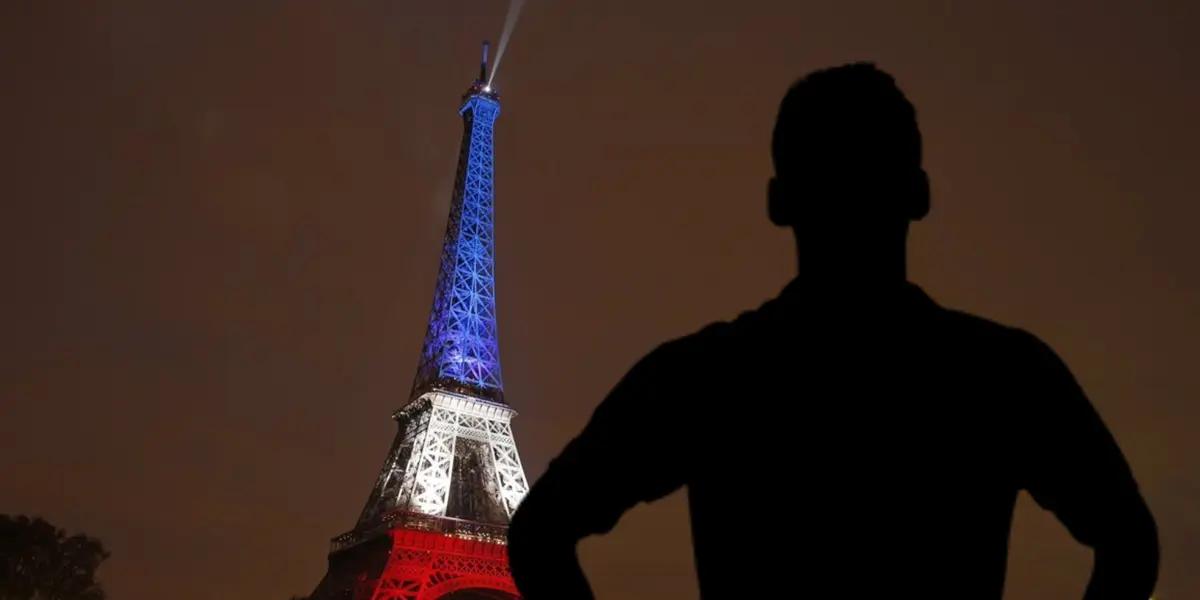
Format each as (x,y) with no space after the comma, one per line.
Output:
(436,521)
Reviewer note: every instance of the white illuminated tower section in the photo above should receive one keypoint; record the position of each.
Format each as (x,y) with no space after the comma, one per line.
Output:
(436,521)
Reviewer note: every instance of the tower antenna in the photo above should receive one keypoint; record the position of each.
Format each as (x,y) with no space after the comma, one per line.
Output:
(483,63)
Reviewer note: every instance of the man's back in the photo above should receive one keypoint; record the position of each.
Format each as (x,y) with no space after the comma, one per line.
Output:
(857,446)
(880,443)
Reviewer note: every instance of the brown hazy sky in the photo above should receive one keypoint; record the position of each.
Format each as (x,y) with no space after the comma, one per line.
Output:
(222,220)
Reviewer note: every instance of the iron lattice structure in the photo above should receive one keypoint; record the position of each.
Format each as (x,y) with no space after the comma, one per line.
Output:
(429,565)
(438,432)
(461,349)
(435,523)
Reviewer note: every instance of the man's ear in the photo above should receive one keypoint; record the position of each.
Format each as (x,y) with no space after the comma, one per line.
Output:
(918,196)
(780,206)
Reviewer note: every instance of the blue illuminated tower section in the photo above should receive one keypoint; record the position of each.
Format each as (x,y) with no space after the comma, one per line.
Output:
(461,352)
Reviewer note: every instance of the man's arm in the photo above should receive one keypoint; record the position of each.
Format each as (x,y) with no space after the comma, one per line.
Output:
(624,455)
(1073,467)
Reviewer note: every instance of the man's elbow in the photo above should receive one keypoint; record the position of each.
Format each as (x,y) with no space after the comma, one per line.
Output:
(541,555)
(1142,540)
(1126,563)
(522,536)
(533,536)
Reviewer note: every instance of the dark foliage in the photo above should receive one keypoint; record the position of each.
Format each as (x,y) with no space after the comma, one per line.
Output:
(39,561)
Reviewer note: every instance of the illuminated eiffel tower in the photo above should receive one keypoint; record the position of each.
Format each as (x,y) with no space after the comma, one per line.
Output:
(436,521)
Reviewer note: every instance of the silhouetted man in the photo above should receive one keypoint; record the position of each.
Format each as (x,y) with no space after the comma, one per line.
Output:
(850,438)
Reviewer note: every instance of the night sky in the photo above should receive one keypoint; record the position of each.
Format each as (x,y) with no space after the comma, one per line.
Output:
(222,223)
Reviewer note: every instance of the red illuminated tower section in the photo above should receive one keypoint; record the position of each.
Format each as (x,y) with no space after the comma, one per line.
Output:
(436,522)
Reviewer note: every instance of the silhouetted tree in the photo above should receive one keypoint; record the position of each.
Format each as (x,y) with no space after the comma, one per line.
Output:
(39,561)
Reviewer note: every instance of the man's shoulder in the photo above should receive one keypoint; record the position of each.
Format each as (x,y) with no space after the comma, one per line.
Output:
(988,330)
(1012,347)
(718,334)
(977,326)
(701,342)
(704,347)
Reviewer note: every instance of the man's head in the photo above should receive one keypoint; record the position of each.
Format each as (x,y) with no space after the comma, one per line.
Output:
(847,156)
